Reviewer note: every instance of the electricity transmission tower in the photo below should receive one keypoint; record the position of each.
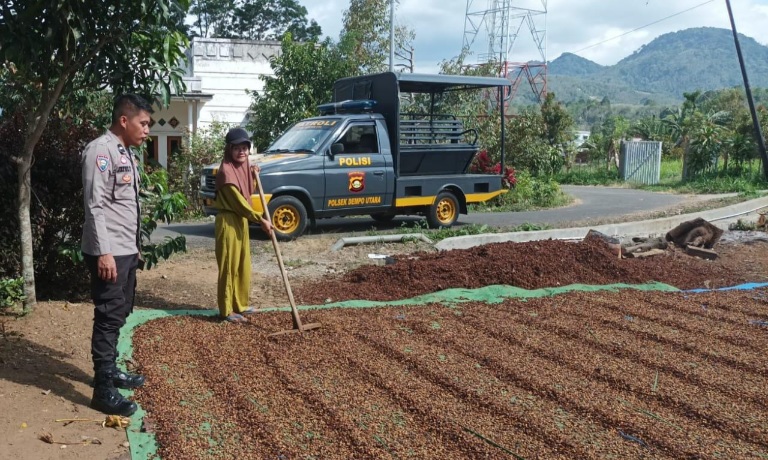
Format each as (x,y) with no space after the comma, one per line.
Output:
(491,28)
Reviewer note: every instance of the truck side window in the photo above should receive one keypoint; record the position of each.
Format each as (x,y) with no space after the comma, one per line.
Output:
(360,139)
(368,143)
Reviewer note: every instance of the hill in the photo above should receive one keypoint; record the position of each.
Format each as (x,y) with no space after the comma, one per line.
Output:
(661,71)
(573,65)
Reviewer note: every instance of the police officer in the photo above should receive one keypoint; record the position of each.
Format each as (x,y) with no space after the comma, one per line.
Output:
(110,244)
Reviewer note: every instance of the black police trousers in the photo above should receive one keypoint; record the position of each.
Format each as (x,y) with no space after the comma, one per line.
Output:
(112,302)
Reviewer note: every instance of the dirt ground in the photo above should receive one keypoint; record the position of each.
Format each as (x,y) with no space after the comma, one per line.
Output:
(45,357)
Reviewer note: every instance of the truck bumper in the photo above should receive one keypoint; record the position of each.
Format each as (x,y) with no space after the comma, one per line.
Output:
(207,199)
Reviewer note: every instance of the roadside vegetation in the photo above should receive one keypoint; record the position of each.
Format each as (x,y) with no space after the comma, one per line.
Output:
(707,146)
(748,182)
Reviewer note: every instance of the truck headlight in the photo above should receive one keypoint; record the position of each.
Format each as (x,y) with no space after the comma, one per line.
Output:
(202,180)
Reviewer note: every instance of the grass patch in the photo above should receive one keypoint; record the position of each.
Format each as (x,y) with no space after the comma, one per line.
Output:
(590,175)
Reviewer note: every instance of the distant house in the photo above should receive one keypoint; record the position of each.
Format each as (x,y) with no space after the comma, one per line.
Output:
(581,137)
(218,73)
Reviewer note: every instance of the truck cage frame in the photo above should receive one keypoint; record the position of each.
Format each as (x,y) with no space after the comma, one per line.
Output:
(413,136)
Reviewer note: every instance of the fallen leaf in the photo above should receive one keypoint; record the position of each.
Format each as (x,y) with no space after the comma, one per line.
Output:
(23,424)
(116,421)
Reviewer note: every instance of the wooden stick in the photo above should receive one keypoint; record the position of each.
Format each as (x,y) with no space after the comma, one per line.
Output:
(294,311)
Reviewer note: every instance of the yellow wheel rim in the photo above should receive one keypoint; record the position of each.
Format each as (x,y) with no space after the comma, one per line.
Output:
(285,219)
(446,211)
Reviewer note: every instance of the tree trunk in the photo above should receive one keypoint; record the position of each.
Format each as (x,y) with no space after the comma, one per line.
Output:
(24,168)
(686,159)
(36,124)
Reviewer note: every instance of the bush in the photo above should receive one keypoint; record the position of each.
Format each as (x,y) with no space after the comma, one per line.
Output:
(482,164)
(204,147)
(531,193)
(57,203)
(11,292)
(743,226)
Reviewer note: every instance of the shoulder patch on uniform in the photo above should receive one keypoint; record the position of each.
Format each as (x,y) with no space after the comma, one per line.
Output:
(102,162)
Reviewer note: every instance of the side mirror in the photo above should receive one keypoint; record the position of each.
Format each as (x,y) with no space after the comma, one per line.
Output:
(336,149)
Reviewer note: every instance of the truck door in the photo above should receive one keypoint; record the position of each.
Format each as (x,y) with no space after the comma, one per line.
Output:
(359,177)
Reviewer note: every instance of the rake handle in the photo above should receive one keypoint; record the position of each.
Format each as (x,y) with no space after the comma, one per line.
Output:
(294,311)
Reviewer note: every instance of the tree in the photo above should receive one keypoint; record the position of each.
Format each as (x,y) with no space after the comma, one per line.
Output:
(253,19)
(366,23)
(52,48)
(303,79)
(271,19)
(559,132)
(404,51)
(557,121)
(210,13)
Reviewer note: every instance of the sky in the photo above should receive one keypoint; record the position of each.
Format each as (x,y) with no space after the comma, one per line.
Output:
(604,31)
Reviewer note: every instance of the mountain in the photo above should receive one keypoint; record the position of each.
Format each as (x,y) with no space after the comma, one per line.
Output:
(573,65)
(701,58)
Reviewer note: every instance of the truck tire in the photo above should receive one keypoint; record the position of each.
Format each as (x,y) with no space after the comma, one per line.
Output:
(444,212)
(382,217)
(289,217)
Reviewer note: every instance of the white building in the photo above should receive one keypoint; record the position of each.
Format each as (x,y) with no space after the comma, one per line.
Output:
(218,74)
(580,137)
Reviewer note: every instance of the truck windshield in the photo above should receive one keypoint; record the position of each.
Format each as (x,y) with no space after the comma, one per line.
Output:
(304,136)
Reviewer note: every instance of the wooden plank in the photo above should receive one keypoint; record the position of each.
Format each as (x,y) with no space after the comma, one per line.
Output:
(648,253)
(701,252)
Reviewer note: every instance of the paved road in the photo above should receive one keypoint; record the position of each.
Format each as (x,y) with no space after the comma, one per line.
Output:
(591,203)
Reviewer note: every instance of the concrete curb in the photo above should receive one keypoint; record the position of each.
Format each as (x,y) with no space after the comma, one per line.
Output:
(721,218)
(349,240)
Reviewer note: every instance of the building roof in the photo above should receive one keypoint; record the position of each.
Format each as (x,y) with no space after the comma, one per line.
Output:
(418,83)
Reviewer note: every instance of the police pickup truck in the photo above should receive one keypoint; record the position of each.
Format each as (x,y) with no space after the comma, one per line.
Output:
(365,156)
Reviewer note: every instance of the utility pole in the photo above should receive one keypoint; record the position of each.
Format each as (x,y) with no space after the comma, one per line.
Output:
(391,35)
(758,131)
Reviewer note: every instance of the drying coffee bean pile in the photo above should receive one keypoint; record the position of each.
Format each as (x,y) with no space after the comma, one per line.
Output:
(530,265)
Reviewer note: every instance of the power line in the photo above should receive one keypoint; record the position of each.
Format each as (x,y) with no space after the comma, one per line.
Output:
(643,27)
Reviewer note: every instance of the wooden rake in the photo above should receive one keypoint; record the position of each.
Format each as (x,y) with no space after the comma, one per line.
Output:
(297,324)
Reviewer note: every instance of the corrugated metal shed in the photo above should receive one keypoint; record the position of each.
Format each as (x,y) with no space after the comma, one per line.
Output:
(640,162)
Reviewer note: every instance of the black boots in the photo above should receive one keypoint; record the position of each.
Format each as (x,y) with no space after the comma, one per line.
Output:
(107,399)
(122,379)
